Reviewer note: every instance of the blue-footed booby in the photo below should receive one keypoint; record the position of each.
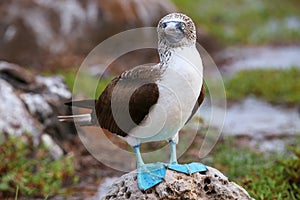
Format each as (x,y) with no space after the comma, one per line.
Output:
(153,102)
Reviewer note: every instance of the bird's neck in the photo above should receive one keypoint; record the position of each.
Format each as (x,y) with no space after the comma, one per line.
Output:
(166,52)
(178,58)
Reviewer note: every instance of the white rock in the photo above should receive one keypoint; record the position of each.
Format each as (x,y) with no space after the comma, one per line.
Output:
(30,104)
(210,185)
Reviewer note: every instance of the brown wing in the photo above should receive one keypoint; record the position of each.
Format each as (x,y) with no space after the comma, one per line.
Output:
(125,103)
(198,102)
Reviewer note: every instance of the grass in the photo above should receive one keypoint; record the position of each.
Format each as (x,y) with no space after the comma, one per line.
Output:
(273,85)
(265,177)
(29,170)
(281,180)
(236,162)
(245,21)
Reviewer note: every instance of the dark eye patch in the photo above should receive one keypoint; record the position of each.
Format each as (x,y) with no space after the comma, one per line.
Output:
(181,26)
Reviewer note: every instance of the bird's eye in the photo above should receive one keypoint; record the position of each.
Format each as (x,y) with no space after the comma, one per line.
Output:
(182,26)
(164,25)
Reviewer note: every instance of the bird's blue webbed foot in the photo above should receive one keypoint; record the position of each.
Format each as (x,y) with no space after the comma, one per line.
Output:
(188,168)
(152,174)
(149,175)
(184,168)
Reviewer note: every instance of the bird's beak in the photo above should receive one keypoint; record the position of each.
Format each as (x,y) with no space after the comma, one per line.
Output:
(172,32)
(171,28)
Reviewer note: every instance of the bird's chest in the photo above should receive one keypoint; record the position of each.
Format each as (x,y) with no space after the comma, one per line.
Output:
(180,87)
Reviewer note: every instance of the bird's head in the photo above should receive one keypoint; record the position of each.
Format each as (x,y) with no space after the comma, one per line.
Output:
(176,29)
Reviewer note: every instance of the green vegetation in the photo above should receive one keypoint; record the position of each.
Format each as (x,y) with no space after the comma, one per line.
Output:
(265,177)
(273,85)
(29,170)
(237,162)
(281,180)
(246,22)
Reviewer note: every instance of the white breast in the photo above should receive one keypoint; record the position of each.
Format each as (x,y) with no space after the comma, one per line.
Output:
(179,89)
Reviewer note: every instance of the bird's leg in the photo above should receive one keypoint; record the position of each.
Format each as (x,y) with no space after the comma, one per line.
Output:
(184,168)
(173,142)
(139,159)
(173,156)
(148,175)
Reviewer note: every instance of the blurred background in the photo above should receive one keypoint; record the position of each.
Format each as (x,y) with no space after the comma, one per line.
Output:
(255,44)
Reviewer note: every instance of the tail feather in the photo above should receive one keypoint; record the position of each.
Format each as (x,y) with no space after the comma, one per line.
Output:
(82,120)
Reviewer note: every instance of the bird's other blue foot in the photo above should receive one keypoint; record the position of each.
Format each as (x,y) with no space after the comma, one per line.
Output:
(150,175)
(188,168)
(184,168)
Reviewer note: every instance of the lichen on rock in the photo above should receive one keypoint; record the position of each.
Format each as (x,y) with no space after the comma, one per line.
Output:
(209,185)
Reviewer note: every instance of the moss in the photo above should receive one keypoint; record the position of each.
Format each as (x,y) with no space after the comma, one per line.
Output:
(273,85)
